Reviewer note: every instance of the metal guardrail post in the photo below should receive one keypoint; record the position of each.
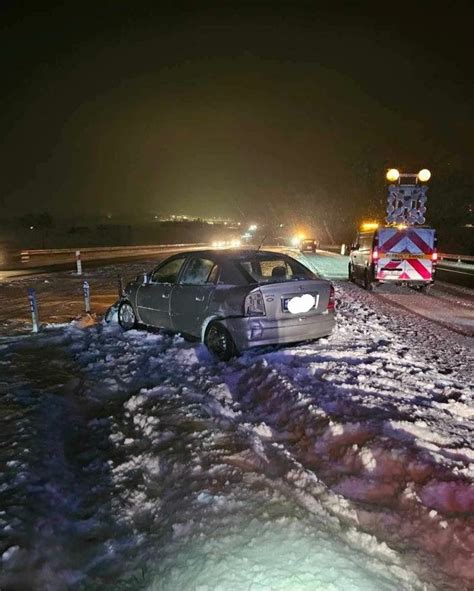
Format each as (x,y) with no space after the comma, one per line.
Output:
(34,309)
(120,285)
(78,262)
(87,297)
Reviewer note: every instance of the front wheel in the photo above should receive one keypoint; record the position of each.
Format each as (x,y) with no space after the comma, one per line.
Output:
(126,316)
(220,342)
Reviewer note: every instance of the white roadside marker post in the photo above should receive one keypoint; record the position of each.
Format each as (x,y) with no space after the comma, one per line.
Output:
(120,286)
(343,249)
(87,297)
(78,262)
(34,309)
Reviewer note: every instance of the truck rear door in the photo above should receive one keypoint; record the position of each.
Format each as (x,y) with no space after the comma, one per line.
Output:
(405,254)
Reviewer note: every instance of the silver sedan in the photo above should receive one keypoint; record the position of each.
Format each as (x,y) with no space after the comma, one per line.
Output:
(231,299)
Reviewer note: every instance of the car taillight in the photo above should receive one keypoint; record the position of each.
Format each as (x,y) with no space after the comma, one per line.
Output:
(254,304)
(434,256)
(332,298)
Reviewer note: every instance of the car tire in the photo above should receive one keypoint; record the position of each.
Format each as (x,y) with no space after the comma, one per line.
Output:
(350,273)
(368,283)
(220,342)
(126,316)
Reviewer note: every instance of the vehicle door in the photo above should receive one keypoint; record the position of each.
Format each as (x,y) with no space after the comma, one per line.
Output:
(190,298)
(419,248)
(154,297)
(360,254)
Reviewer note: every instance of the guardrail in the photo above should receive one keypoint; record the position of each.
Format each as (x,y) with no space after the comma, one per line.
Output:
(94,249)
(93,252)
(27,254)
(459,258)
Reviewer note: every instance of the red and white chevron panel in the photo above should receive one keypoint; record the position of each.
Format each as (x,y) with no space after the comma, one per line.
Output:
(405,255)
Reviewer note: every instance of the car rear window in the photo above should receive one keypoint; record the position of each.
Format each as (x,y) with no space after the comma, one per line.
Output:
(273,269)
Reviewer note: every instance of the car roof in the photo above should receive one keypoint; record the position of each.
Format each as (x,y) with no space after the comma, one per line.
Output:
(230,273)
(222,254)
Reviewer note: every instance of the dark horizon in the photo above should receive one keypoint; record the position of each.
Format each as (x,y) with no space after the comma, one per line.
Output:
(237,110)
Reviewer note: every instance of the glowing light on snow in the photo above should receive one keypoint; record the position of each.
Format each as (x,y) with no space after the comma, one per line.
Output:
(284,555)
(300,304)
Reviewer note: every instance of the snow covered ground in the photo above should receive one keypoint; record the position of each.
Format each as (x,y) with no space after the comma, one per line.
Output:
(135,461)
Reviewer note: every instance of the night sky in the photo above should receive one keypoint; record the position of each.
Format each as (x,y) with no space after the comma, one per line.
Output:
(238,109)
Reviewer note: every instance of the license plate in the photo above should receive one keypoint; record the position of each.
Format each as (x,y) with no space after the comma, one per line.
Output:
(286,299)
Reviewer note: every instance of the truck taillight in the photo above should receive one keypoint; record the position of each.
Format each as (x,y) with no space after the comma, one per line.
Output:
(375,254)
(332,298)
(254,304)
(434,256)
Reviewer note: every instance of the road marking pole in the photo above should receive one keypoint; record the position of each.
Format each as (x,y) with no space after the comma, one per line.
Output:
(343,249)
(120,285)
(34,309)
(78,262)
(87,297)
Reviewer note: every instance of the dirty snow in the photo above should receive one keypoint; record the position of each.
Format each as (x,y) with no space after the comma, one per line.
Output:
(135,461)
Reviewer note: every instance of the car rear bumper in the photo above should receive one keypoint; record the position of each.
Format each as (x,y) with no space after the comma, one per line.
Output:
(253,332)
(413,282)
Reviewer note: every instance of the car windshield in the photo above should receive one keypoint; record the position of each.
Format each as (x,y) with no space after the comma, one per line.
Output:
(271,269)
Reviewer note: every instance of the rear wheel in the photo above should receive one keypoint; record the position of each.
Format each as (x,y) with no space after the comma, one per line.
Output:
(368,283)
(220,342)
(126,316)
(350,272)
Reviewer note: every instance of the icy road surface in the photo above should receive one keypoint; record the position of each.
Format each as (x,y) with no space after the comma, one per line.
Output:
(135,461)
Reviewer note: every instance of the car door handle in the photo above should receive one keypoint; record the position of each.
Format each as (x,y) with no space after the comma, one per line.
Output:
(198,299)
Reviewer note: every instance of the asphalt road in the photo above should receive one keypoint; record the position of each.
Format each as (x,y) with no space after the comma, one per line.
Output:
(458,274)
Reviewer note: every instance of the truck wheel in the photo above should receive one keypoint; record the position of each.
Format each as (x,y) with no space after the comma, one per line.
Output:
(350,273)
(126,316)
(368,284)
(220,342)
(424,288)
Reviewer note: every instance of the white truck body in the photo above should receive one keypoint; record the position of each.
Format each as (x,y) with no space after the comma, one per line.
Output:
(394,254)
